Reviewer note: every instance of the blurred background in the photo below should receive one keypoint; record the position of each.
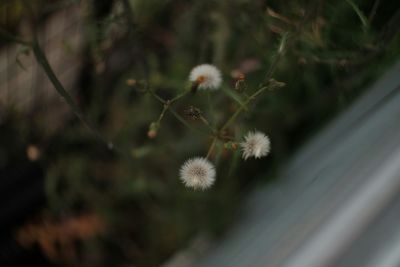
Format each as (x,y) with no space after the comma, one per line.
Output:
(103,193)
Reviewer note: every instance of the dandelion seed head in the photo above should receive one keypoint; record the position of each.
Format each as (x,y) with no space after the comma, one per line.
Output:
(256,144)
(206,76)
(198,173)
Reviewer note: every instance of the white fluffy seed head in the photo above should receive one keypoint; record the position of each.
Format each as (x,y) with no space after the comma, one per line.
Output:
(197,173)
(207,76)
(256,144)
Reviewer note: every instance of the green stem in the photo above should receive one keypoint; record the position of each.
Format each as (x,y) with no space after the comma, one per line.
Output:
(210,150)
(165,108)
(360,14)
(272,83)
(373,11)
(185,123)
(210,105)
(168,106)
(178,97)
(241,108)
(277,57)
(205,121)
(44,63)
(155,96)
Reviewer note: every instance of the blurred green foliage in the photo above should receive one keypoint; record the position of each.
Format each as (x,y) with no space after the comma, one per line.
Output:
(336,49)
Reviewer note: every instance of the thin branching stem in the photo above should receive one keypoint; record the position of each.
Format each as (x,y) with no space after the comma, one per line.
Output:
(211,148)
(155,95)
(185,123)
(277,57)
(360,14)
(373,11)
(167,106)
(164,110)
(207,123)
(176,98)
(210,106)
(241,108)
(272,83)
(44,63)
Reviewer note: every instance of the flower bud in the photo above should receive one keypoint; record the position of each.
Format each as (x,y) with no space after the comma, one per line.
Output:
(153,129)
(230,145)
(131,82)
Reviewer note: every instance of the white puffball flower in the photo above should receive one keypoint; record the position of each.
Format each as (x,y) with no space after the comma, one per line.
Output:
(198,173)
(256,144)
(206,76)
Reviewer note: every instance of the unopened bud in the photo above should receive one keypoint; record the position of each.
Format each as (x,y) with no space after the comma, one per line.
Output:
(234,146)
(131,82)
(153,129)
(231,145)
(33,152)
